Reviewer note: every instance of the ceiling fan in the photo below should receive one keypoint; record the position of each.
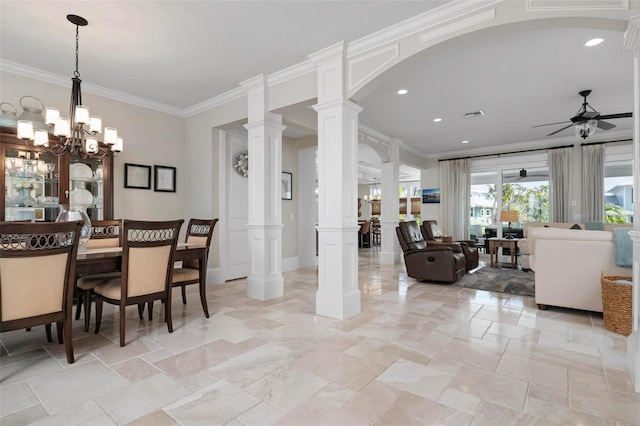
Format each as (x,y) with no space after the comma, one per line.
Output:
(587,119)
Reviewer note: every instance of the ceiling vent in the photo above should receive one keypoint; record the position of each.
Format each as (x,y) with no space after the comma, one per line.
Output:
(473,114)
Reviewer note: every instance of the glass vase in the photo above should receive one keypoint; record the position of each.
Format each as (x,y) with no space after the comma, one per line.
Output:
(70,213)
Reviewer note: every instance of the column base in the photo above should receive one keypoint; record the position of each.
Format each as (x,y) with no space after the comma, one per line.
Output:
(389,258)
(338,306)
(265,289)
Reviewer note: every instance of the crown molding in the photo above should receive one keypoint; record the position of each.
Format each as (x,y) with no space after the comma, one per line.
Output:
(370,131)
(291,73)
(555,5)
(58,80)
(632,34)
(327,54)
(537,144)
(216,101)
(417,24)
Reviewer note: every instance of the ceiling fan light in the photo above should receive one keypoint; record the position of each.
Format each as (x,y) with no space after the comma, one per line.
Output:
(585,129)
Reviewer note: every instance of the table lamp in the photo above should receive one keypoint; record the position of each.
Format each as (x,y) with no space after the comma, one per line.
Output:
(509,216)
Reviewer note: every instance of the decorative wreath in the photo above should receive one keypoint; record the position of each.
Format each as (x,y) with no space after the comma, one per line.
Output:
(242,164)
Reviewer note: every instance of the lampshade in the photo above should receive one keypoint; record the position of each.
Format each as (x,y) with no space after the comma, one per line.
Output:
(508,216)
(585,129)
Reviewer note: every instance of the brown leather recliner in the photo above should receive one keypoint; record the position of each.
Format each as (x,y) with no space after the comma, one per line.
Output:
(437,263)
(432,234)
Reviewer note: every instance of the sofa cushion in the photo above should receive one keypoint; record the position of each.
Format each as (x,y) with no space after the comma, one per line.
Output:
(623,246)
(594,226)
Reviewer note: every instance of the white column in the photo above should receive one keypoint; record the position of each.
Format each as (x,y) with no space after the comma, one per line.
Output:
(265,280)
(389,245)
(338,295)
(632,42)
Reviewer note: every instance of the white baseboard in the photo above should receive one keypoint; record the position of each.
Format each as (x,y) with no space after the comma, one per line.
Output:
(290,264)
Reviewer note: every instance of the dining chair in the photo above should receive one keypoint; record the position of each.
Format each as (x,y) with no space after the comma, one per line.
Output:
(199,231)
(37,272)
(148,250)
(104,234)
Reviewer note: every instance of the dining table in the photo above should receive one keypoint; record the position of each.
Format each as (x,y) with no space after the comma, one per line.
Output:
(109,259)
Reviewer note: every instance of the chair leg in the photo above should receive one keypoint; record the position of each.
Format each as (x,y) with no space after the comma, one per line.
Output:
(68,341)
(79,294)
(98,313)
(140,310)
(47,329)
(184,295)
(59,331)
(203,299)
(150,306)
(123,315)
(87,309)
(167,315)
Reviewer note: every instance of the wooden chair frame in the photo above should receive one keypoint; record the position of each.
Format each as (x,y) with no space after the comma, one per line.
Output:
(35,241)
(143,234)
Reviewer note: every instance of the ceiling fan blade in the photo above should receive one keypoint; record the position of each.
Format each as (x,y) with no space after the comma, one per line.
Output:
(550,124)
(559,130)
(605,126)
(612,116)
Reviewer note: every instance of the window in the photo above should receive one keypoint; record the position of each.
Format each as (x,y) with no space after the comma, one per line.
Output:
(526,190)
(618,191)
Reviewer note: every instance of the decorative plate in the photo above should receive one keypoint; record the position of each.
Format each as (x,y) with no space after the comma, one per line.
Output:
(80,171)
(80,197)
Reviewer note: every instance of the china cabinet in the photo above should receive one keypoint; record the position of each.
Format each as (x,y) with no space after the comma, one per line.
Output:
(36,182)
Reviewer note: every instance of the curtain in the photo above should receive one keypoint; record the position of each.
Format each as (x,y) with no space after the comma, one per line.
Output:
(560,185)
(455,193)
(593,183)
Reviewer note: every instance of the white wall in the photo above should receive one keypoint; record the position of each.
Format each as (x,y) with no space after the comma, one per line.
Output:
(290,207)
(150,138)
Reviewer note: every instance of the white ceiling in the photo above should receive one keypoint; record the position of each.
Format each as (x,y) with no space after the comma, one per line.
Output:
(181,53)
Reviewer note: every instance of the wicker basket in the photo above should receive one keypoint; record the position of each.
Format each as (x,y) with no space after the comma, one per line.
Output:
(616,304)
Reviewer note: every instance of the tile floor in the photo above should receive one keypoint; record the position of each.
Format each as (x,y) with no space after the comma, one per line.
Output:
(418,354)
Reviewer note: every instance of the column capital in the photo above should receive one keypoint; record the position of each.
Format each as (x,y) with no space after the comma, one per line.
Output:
(632,35)
(271,120)
(336,103)
(254,83)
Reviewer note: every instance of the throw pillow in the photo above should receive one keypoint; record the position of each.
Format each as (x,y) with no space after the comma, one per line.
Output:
(575,226)
(594,226)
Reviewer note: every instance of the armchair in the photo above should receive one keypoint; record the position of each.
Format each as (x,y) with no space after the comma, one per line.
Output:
(432,233)
(437,263)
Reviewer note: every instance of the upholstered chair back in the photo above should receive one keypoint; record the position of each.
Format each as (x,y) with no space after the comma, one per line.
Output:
(37,273)
(148,251)
(410,236)
(199,231)
(105,233)
(432,230)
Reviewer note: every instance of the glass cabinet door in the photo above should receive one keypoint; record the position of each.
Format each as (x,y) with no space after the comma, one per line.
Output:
(86,185)
(31,185)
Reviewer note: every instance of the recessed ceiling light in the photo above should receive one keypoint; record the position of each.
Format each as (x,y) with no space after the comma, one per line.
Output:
(437,120)
(594,42)
(465,141)
(402,92)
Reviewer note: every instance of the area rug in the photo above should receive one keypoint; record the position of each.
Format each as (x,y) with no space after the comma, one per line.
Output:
(503,280)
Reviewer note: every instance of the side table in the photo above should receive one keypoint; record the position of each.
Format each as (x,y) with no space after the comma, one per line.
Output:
(511,244)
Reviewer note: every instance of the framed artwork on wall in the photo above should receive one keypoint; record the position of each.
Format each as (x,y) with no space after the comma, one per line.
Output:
(287,186)
(431,196)
(164,179)
(137,176)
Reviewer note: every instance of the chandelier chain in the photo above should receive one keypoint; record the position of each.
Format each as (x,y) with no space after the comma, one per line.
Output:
(76,73)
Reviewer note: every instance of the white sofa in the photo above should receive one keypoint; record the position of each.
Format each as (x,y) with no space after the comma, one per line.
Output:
(568,264)
(524,246)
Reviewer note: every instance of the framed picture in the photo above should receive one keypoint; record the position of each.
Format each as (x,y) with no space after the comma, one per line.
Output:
(431,196)
(164,179)
(287,186)
(137,176)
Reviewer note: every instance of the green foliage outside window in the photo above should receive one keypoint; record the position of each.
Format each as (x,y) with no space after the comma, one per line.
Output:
(532,204)
(614,214)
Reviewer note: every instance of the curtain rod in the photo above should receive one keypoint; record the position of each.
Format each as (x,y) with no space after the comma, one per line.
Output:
(600,143)
(506,153)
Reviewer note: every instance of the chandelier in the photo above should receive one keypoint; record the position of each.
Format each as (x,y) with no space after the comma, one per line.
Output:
(584,129)
(75,137)
(375,193)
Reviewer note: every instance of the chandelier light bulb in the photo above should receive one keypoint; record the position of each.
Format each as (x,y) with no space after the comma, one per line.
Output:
(25,130)
(82,114)
(91,145)
(110,135)
(95,125)
(51,116)
(62,127)
(41,138)
(117,147)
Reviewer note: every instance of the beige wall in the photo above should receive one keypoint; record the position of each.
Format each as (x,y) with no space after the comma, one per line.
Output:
(149,138)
